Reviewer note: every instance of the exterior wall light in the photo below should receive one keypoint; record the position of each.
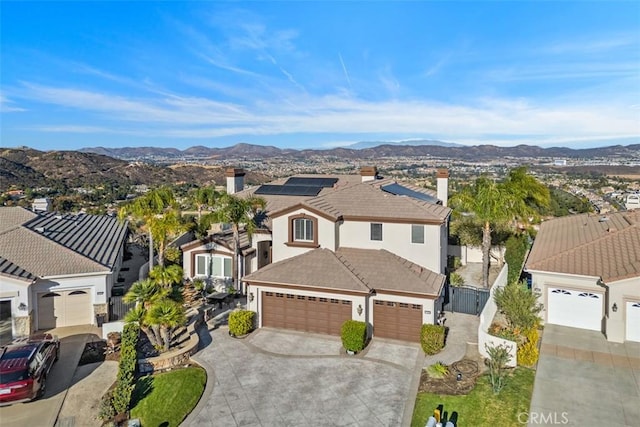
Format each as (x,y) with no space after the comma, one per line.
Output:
(359,309)
(614,307)
(251,297)
(22,306)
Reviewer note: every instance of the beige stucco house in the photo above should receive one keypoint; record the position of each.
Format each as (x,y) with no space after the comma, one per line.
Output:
(587,271)
(56,270)
(338,247)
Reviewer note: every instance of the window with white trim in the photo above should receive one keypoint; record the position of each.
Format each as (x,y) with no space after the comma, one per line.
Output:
(213,266)
(417,233)
(303,230)
(376,231)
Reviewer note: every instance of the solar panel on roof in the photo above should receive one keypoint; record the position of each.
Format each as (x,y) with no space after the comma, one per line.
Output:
(288,190)
(313,182)
(399,190)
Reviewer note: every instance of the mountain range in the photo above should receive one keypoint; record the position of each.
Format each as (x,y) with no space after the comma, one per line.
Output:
(415,149)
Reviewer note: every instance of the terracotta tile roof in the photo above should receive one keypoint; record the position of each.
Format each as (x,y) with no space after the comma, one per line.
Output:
(351,269)
(50,244)
(368,200)
(606,246)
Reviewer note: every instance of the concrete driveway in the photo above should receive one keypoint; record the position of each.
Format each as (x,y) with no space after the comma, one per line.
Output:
(285,378)
(584,380)
(44,411)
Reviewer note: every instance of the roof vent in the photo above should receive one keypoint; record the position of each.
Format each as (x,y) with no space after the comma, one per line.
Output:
(40,229)
(603,219)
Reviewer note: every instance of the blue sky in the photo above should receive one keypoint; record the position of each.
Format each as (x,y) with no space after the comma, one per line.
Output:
(318,74)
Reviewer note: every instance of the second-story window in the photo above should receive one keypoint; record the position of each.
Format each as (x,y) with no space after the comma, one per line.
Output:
(303,230)
(417,233)
(376,231)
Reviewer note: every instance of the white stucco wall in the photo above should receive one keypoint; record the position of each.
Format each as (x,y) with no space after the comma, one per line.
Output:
(396,238)
(326,230)
(16,291)
(620,293)
(211,247)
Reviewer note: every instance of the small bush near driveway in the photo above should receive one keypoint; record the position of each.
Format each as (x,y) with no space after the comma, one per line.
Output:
(432,338)
(482,407)
(354,335)
(241,322)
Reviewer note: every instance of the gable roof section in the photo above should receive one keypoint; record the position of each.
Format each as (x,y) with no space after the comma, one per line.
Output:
(589,245)
(224,239)
(351,269)
(50,244)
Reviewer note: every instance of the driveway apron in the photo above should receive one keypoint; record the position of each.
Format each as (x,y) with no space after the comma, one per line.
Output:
(583,380)
(278,378)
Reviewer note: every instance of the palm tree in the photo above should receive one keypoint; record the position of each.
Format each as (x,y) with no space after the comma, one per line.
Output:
(239,211)
(148,210)
(145,293)
(204,197)
(139,315)
(494,204)
(166,276)
(166,316)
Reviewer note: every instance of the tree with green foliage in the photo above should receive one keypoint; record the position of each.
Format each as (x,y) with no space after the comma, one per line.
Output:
(165,317)
(499,356)
(493,204)
(167,276)
(239,212)
(204,198)
(519,305)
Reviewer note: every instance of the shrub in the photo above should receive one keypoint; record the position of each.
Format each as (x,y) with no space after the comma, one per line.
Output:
(241,322)
(173,255)
(106,411)
(121,397)
(437,370)
(354,335)
(515,250)
(432,338)
(498,358)
(456,279)
(528,351)
(519,305)
(507,333)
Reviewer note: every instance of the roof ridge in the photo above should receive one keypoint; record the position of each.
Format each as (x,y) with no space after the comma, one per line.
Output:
(350,268)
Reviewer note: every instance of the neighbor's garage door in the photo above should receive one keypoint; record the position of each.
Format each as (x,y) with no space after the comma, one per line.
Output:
(633,321)
(64,308)
(574,308)
(304,313)
(397,320)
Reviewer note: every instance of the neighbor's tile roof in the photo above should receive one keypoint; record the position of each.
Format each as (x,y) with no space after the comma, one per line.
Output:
(351,269)
(50,244)
(11,217)
(590,245)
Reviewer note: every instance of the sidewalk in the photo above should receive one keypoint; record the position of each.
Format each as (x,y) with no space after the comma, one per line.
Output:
(462,336)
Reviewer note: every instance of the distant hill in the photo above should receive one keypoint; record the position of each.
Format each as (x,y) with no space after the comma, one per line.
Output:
(414,149)
(409,142)
(33,168)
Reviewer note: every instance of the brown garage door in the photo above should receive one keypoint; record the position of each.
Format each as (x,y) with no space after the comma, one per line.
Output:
(304,313)
(397,320)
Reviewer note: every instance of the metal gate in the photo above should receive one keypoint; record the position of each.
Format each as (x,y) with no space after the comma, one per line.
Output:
(118,308)
(464,299)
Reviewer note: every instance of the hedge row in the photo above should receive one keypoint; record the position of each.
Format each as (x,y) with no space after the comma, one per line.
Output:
(515,250)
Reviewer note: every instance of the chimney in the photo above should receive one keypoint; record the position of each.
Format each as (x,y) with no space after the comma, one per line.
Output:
(442,176)
(235,180)
(368,173)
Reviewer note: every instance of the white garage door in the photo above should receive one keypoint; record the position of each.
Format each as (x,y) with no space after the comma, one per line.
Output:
(64,308)
(633,321)
(574,308)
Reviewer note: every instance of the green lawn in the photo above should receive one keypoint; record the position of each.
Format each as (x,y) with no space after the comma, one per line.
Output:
(481,407)
(166,399)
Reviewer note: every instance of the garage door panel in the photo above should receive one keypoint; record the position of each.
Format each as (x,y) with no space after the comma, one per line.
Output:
(397,320)
(577,309)
(303,313)
(632,313)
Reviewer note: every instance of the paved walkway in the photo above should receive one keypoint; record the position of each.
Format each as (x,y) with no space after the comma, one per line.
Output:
(462,338)
(584,380)
(285,378)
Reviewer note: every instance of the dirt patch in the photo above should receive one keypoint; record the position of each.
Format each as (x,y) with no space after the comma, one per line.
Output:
(460,380)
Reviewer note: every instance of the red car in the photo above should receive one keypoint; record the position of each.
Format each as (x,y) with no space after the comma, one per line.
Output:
(24,366)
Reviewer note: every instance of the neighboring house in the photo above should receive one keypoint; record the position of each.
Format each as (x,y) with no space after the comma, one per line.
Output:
(56,270)
(587,270)
(338,247)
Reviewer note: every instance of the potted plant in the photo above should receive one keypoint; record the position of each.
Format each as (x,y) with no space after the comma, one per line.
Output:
(354,336)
